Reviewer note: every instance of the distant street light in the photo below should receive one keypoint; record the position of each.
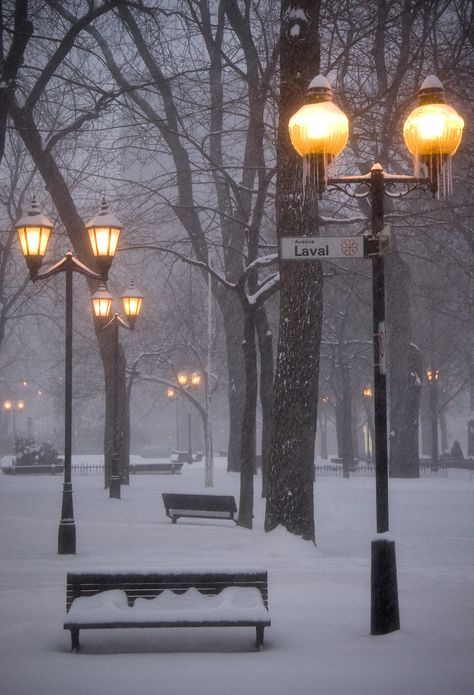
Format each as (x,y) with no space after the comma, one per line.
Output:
(34,230)
(433,131)
(13,407)
(132,301)
(368,394)
(172,394)
(189,381)
(432,376)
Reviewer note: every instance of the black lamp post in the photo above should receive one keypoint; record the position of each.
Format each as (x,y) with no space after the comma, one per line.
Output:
(34,230)
(132,301)
(433,376)
(171,393)
(12,407)
(187,381)
(432,132)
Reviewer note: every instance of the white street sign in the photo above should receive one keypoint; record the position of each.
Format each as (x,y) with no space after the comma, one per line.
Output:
(318,248)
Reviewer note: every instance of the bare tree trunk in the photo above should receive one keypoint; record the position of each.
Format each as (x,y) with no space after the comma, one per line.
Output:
(265,344)
(248,438)
(405,374)
(347,440)
(291,473)
(232,316)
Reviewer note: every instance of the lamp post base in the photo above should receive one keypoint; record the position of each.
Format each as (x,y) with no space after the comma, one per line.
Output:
(385,615)
(114,488)
(67,537)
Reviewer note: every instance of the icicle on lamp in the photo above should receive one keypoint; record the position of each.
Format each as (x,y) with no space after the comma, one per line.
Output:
(432,134)
(319,132)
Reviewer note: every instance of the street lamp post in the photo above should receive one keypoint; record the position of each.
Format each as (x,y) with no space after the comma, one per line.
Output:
(368,394)
(34,230)
(12,407)
(432,132)
(187,381)
(132,301)
(171,393)
(433,376)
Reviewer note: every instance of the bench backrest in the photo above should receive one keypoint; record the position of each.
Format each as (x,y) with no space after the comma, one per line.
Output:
(151,584)
(214,503)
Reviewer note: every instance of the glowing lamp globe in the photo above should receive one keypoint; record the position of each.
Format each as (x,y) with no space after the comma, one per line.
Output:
(102,303)
(319,131)
(132,300)
(433,133)
(182,378)
(104,230)
(33,231)
(195,379)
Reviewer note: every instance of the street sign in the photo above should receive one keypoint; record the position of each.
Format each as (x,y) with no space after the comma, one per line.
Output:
(304,248)
(299,248)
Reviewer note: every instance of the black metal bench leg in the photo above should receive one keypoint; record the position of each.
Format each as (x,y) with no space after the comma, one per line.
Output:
(260,629)
(75,646)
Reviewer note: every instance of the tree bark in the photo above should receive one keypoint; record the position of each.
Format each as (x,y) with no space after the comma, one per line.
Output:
(290,481)
(265,344)
(405,372)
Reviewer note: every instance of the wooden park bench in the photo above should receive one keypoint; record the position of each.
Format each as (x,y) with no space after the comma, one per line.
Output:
(152,467)
(102,599)
(201,506)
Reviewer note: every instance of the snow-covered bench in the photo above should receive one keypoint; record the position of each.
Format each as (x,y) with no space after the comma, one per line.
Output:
(203,506)
(102,599)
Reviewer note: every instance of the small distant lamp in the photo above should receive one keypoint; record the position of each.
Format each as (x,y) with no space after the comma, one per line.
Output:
(432,134)
(33,231)
(195,379)
(104,232)
(170,392)
(319,132)
(432,374)
(132,300)
(182,378)
(368,392)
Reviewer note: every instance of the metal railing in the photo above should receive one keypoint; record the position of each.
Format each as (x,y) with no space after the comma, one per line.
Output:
(363,470)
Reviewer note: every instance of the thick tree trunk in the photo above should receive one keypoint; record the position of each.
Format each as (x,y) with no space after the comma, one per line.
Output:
(405,372)
(265,344)
(347,435)
(248,422)
(105,339)
(233,326)
(291,474)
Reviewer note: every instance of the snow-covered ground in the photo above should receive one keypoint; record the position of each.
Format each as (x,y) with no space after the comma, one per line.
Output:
(319,641)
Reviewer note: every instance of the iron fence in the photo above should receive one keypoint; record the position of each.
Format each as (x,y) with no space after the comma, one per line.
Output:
(368,471)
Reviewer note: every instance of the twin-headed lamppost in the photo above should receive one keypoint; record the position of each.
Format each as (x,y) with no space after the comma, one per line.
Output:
(187,381)
(432,376)
(132,301)
(12,407)
(319,132)
(34,230)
